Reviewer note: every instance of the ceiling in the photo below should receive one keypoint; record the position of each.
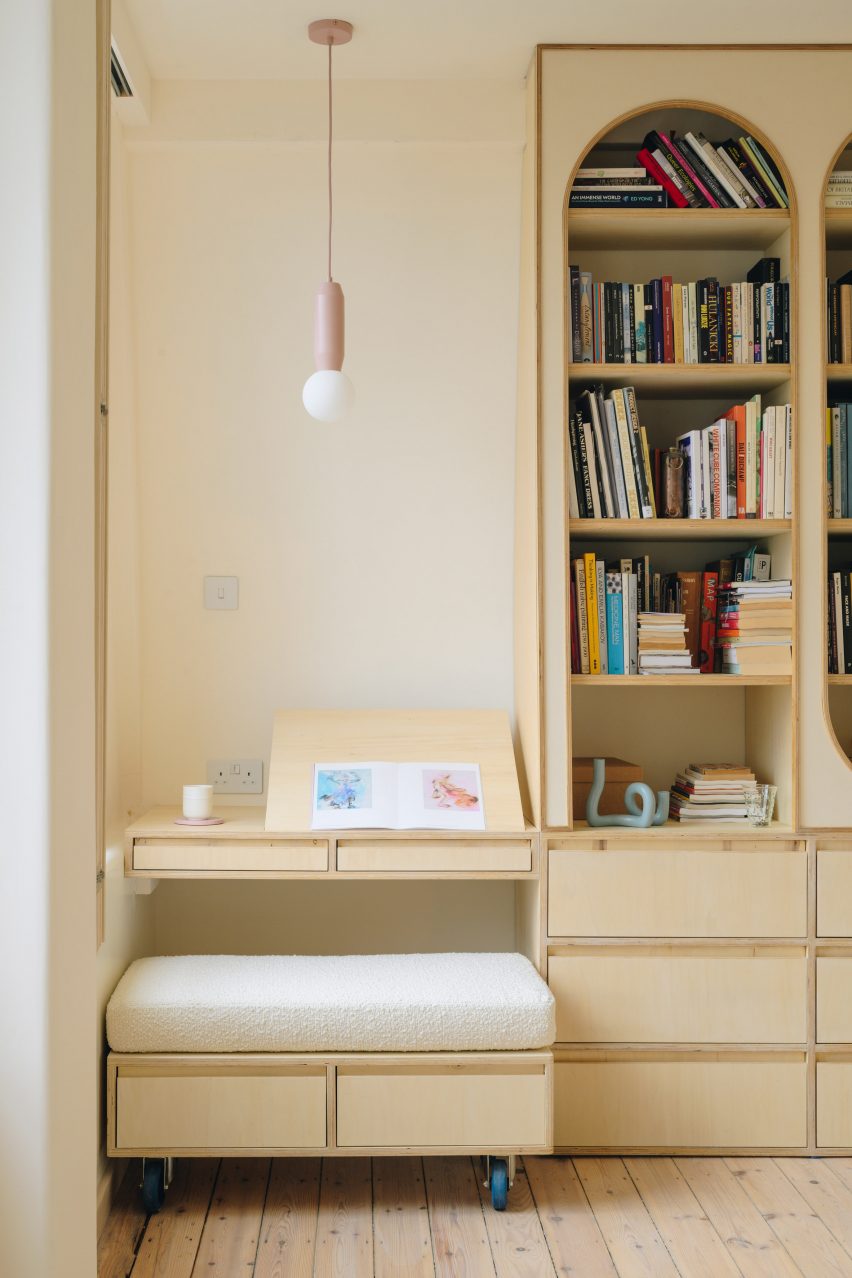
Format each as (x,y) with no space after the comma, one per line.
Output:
(447,39)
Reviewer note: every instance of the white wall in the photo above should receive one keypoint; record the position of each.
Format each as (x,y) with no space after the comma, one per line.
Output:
(47,856)
(375,557)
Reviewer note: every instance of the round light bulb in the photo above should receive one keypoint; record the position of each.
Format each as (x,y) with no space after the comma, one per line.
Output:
(328,395)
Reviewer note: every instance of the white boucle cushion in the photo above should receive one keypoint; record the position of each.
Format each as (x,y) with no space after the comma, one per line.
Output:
(353,1003)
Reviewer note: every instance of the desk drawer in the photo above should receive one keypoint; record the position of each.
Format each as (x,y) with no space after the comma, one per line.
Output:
(834,892)
(670,1100)
(232,856)
(480,1106)
(678,892)
(431,856)
(220,1109)
(687,994)
(834,999)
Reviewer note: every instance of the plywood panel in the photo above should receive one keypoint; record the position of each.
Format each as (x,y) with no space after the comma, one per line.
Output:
(700,892)
(680,1102)
(407,1109)
(303,738)
(422,855)
(834,999)
(834,892)
(210,1111)
(662,994)
(834,1103)
(200,856)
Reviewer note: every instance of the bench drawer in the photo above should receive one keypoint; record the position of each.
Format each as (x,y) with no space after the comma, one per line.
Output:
(834,1000)
(649,1101)
(220,856)
(430,856)
(834,1103)
(687,994)
(677,892)
(220,1109)
(834,892)
(485,1108)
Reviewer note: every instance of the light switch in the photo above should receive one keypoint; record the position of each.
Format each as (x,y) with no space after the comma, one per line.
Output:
(221,592)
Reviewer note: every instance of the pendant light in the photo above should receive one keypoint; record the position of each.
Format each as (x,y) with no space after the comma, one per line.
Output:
(328,394)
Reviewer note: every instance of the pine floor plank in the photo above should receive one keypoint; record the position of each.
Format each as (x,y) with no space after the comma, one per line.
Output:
(288,1232)
(518,1246)
(634,1243)
(753,1245)
(124,1227)
(816,1251)
(345,1222)
(459,1239)
(692,1242)
(826,1195)
(230,1237)
(172,1237)
(402,1241)
(841,1167)
(573,1235)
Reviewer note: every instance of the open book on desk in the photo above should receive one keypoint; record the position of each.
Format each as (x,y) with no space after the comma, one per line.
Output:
(397,796)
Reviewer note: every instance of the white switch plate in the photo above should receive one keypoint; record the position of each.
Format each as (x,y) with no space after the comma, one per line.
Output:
(222,592)
(235,776)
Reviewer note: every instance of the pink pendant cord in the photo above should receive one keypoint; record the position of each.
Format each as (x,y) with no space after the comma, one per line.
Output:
(330,121)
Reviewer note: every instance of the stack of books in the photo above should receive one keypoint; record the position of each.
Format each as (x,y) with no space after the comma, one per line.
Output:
(838,301)
(838,460)
(736,468)
(840,621)
(613,188)
(838,194)
(662,644)
(695,173)
(711,792)
(755,627)
(667,322)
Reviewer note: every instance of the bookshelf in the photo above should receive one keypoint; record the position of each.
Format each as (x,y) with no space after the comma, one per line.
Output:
(838,531)
(688,244)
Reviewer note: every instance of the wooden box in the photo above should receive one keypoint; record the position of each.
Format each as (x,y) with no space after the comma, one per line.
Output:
(619,774)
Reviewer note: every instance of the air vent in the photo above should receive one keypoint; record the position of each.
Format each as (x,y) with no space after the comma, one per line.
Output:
(120,83)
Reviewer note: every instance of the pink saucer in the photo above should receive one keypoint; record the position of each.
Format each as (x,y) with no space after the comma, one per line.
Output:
(199,820)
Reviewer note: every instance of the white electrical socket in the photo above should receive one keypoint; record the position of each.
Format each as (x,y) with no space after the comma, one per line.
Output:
(235,776)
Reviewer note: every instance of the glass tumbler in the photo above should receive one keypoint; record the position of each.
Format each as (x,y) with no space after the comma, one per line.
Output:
(760,804)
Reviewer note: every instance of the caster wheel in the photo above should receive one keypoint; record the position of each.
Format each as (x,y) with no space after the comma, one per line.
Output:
(499,1184)
(153,1185)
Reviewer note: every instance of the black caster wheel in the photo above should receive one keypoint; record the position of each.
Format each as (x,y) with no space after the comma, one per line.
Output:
(153,1185)
(499,1183)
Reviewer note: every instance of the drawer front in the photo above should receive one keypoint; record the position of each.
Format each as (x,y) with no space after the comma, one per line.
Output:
(220,857)
(834,892)
(834,1000)
(423,856)
(834,1103)
(480,1110)
(213,1110)
(681,1103)
(688,892)
(662,994)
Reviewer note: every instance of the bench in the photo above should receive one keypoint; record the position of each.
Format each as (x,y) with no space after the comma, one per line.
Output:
(357,1054)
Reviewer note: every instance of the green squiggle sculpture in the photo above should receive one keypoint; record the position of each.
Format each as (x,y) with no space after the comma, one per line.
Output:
(638,797)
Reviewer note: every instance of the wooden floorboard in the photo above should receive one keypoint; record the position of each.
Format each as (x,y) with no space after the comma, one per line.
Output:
(415,1218)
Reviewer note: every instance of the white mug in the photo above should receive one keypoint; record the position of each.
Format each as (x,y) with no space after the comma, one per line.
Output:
(197,802)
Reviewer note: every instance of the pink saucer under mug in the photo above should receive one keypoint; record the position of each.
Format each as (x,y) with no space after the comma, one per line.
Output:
(181,820)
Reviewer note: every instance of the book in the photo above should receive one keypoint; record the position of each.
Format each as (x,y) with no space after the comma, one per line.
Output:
(397,796)
(611,197)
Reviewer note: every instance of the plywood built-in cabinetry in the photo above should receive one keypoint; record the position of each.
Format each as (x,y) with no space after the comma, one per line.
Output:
(702,975)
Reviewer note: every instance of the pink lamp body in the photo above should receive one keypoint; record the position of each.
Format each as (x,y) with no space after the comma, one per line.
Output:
(329,326)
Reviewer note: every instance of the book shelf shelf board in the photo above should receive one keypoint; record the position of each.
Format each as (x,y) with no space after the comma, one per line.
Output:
(303,738)
(754,229)
(680,681)
(839,527)
(680,829)
(840,680)
(677,529)
(838,373)
(702,381)
(838,228)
